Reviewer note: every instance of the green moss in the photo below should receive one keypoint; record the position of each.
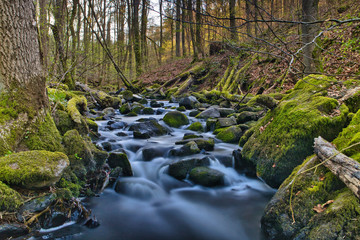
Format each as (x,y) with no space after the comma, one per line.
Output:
(175,119)
(26,168)
(10,200)
(79,153)
(131,114)
(92,125)
(45,136)
(75,107)
(350,135)
(148,111)
(196,126)
(74,188)
(230,134)
(284,137)
(127,95)
(181,109)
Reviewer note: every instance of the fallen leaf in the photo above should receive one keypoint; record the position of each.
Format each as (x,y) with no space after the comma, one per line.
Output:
(274,165)
(321,207)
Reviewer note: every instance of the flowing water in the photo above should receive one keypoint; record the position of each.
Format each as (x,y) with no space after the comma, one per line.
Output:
(154,205)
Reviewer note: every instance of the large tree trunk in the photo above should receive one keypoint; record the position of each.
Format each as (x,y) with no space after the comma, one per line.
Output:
(177,28)
(44,38)
(22,83)
(309,31)
(232,21)
(135,26)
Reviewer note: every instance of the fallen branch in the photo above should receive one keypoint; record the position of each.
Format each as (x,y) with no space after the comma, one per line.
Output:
(347,169)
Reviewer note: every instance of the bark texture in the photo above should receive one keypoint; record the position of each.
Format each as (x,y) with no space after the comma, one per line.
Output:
(347,169)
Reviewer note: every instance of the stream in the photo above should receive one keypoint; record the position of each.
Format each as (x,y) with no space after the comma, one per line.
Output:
(154,205)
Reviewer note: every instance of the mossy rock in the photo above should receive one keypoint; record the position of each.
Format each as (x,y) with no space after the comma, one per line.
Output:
(148,111)
(175,119)
(181,109)
(105,100)
(131,114)
(92,125)
(10,199)
(181,169)
(63,121)
(79,153)
(127,95)
(76,107)
(44,136)
(202,143)
(338,220)
(33,169)
(188,149)
(120,159)
(207,177)
(230,134)
(196,126)
(125,108)
(284,137)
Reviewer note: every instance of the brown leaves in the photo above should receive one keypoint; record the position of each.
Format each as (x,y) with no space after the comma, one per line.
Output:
(321,207)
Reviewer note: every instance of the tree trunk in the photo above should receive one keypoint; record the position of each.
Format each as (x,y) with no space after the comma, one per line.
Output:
(161,30)
(183,27)
(192,33)
(22,83)
(309,31)
(347,169)
(233,35)
(177,28)
(135,26)
(198,28)
(144,22)
(44,38)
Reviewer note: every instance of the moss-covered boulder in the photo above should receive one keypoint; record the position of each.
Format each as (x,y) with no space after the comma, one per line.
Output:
(33,169)
(148,128)
(127,95)
(284,137)
(175,119)
(230,134)
(207,177)
(188,149)
(148,111)
(196,126)
(119,159)
(210,112)
(202,143)
(79,153)
(225,122)
(10,200)
(181,169)
(125,108)
(105,100)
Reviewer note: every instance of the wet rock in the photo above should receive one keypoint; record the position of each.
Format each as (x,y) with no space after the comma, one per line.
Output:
(109,111)
(240,164)
(160,111)
(211,124)
(247,116)
(105,100)
(211,112)
(194,113)
(141,135)
(149,153)
(127,95)
(35,205)
(119,159)
(33,169)
(181,109)
(12,231)
(125,108)
(143,101)
(229,135)
(106,146)
(189,148)
(225,122)
(207,177)
(155,104)
(92,223)
(148,111)
(188,102)
(117,125)
(224,112)
(225,104)
(121,134)
(149,127)
(196,126)
(138,98)
(202,143)
(190,135)
(181,169)
(175,119)
(56,219)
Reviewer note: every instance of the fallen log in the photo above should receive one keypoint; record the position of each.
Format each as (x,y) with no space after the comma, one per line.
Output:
(344,167)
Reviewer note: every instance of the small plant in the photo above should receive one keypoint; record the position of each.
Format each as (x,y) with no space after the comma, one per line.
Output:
(77,156)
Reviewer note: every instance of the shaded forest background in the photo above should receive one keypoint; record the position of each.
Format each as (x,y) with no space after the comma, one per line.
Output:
(82,40)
